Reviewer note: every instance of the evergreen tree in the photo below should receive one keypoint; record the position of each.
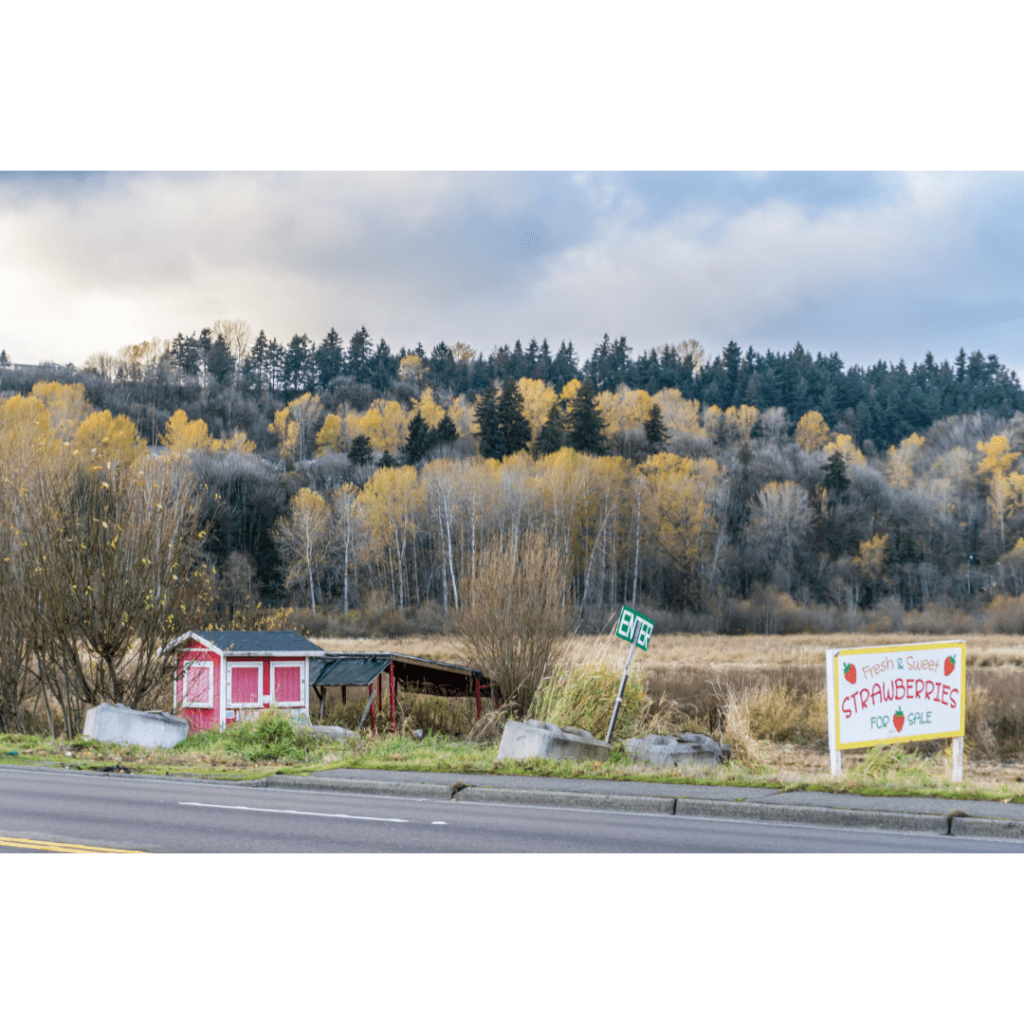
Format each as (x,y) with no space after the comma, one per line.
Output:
(298,363)
(357,363)
(219,363)
(488,434)
(551,437)
(275,365)
(445,432)
(387,460)
(329,359)
(257,363)
(418,443)
(513,425)
(654,427)
(585,423)
(836,481)
(361,451)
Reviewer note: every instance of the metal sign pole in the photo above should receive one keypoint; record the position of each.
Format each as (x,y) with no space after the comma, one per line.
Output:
(625,676)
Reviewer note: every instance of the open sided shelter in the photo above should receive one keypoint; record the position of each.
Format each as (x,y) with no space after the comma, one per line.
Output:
(415,675)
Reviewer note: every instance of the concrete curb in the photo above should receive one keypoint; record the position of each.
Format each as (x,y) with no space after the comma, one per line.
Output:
(952,823)
(986,828)
(367,787)
(795,814)
(573,801)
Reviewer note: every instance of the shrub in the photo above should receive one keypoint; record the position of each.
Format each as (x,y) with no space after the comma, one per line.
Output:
(513,624)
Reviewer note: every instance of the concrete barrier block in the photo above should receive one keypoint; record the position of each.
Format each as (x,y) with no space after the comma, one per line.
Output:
(334,732)
(534,738)
(115,723)
(687,748)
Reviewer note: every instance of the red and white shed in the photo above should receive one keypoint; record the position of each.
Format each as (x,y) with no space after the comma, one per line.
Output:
(226,676)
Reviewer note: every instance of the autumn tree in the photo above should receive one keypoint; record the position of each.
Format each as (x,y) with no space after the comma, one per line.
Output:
(302,536)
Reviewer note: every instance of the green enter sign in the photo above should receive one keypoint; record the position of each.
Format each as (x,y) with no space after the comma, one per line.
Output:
(630,619)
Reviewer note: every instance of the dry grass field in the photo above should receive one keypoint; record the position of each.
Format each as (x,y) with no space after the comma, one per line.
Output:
(765,694)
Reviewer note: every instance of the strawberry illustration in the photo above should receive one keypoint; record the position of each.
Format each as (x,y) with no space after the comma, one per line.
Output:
(850,672)
(950,664)
(897,719)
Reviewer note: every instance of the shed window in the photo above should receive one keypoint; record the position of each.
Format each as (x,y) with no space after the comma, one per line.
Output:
(287,684)
(197,683)
(244,684)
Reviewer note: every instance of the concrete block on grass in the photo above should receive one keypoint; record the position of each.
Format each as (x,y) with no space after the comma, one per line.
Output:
(115,723)
(686,748)
(534,738)
(334,732)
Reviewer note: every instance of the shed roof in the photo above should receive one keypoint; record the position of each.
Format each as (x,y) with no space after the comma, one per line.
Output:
(417,675)
(246,641)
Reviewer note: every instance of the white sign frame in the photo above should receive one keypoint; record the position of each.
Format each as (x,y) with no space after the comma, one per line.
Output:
(897,675)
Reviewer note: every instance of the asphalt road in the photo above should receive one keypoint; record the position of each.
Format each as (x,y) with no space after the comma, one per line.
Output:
(76,812)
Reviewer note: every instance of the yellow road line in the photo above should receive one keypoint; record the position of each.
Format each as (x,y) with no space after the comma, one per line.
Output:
(44,845)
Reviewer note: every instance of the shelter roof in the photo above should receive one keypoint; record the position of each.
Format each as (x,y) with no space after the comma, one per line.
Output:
(245,641)
(418,675)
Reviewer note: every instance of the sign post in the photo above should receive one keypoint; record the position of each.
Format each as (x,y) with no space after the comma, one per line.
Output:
(897,694)
(637,629)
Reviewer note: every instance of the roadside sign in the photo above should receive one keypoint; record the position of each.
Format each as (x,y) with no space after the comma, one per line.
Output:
(624,630)
(896,694)
(637,629)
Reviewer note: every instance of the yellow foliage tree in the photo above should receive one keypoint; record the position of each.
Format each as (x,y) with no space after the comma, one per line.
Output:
(302,536)
(624,409)
(683,492)
(538,398)
(844,444)
(330,437)
(461,414)
(998,457)
(812,431)
(871,560)
(294,424)
(570,390)
(739,422)
(900,467)
(384,423)
(680,415)
(103,439)
(184,435)
(425,405)
(66,404)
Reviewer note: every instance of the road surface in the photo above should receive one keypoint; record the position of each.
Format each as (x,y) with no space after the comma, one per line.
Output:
(76,811)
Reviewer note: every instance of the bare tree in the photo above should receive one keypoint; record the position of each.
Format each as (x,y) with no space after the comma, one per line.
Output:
(513,623)
(115,555)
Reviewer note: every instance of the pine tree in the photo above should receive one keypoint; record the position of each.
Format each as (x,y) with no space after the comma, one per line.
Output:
(445,432)
(418,443)
(654,427)
(387,460)
(551,437)
(219,363)
(585,423)
(488,434)
(361,451)
(329,359)
(512,423)
(357,364)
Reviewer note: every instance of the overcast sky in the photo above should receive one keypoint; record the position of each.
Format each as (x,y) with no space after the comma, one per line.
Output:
(873,266)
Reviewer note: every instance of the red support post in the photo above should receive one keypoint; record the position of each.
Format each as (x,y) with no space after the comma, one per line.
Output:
(494,694)
(373,710)
(477,679)
(391,670)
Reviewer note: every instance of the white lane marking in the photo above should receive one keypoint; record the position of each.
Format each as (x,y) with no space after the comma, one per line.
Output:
(439,823)
(274,810)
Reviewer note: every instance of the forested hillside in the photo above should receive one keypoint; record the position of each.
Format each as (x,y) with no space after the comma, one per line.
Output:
(747,491)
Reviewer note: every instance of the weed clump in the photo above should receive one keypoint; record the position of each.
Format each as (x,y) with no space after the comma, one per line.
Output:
(583,697)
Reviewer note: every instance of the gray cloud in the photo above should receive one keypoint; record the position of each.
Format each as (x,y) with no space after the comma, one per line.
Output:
(861,263)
